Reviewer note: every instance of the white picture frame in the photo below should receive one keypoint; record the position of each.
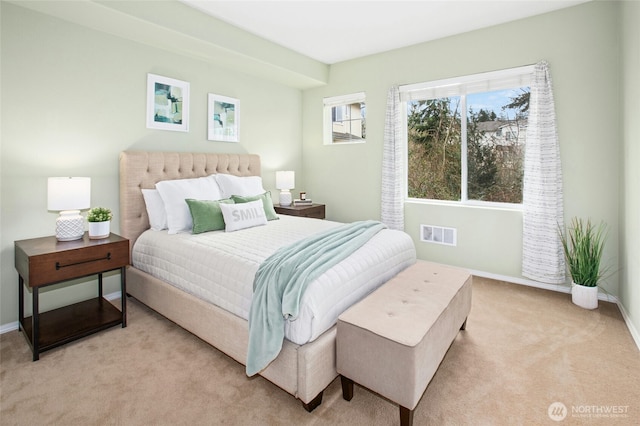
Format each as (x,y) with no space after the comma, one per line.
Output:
(167,103)
(223,118)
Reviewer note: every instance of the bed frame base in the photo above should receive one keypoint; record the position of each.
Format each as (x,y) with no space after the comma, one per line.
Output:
(314,403)
(301,370)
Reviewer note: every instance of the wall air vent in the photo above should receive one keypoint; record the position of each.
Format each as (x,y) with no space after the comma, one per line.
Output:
(438,235)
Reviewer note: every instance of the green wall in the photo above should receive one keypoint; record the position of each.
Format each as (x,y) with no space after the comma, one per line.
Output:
(581,46)
(630,176)
(74,97)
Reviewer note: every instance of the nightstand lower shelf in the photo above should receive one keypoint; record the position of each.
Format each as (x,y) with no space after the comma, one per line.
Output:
(63,325)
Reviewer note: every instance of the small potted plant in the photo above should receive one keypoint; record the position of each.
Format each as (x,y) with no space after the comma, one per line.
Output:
(583,244)
(99,219)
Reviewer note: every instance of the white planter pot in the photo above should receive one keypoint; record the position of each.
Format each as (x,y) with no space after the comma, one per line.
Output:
(585,297)
(98,230)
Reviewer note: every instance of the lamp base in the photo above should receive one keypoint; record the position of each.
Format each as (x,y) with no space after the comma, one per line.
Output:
(285,198)
(69,226)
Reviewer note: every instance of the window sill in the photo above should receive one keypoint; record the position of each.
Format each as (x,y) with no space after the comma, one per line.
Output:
(344,143)
(466,204)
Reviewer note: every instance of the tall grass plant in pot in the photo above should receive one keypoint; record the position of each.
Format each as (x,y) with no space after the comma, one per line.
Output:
(583,244)
(99,219)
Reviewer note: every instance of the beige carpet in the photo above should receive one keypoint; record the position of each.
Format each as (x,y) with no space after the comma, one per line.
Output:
(523,350)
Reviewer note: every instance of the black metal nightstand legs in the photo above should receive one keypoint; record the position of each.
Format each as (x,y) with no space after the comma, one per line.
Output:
(34,339)
(35,317)
(123,295)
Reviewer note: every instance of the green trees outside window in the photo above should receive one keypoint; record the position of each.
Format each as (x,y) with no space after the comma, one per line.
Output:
(484,148)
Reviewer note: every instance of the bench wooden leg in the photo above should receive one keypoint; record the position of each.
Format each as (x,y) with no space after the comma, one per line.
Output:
(347,388)
(464,325)
(314,403)
(406,416)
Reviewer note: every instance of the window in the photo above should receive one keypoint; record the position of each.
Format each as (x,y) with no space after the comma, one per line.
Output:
(466,137)
(344,119)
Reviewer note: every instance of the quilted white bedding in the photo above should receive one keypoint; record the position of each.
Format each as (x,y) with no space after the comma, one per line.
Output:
(219,267)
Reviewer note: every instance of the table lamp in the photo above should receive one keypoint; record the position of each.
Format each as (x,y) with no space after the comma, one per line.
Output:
(285,181)
(69,195)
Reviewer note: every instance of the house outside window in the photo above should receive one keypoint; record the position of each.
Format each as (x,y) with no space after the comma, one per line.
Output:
(466,138)
(345,119)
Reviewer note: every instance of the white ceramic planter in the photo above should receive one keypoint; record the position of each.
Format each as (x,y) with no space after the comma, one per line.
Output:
(98,230)
(585,297)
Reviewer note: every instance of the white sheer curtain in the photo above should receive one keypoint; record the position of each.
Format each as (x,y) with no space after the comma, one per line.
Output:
(392,213)
(542,255)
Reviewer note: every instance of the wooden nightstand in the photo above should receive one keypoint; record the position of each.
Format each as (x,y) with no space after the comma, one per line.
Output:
(314,210)
(44,261)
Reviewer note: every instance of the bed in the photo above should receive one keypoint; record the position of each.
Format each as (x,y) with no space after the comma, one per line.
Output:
(303,369)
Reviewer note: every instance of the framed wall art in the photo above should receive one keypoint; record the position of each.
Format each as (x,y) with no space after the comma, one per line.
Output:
(167,103)
(223,119)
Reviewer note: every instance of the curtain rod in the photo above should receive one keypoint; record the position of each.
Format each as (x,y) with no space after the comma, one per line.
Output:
(468,78)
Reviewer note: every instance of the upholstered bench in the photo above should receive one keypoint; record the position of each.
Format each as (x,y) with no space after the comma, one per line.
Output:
(393,341)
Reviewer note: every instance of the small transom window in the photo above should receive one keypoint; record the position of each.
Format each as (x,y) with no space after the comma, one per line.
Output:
(345,119)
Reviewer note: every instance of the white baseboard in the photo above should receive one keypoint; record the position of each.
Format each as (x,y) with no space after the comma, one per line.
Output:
(632,329)
(8,327)
(113,296)
(14,325)
(565,289)
(523,281)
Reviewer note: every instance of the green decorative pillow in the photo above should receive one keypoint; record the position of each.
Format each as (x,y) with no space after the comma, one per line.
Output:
(269,211)
(206,214)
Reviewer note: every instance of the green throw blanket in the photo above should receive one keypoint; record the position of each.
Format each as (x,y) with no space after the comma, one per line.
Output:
(282,279)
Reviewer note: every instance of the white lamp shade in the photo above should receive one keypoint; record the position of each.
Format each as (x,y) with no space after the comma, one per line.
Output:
(285,180)
(68,193)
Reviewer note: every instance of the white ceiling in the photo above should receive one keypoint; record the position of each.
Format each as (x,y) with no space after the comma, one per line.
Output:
(332,31)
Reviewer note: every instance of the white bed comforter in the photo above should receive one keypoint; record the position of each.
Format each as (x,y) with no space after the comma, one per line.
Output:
(219,267)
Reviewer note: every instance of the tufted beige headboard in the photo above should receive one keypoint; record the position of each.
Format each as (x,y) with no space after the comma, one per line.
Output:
(142,169)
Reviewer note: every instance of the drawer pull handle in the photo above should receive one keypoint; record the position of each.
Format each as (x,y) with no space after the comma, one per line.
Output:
(59,266)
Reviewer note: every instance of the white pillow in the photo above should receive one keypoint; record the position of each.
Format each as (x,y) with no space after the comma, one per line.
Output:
(155,209)
(245,215)
(174,192)
(239,185)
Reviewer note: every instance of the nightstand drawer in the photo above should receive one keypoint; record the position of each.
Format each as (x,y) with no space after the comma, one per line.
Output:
(70,259)
(316,211)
